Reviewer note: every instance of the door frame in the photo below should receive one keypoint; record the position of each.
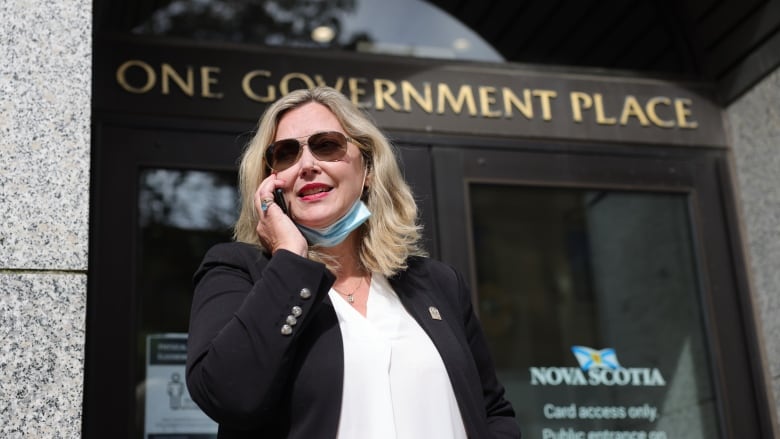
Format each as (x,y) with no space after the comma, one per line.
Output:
(121,150)
(700,173)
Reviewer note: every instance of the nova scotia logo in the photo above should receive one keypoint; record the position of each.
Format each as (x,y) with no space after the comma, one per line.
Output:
(589,358)
(598,367)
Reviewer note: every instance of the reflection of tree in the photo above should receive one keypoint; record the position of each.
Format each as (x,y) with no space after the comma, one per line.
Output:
(272,22)
(181,214)
(187,199)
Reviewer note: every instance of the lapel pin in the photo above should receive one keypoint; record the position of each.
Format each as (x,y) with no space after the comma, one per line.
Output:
(434,313)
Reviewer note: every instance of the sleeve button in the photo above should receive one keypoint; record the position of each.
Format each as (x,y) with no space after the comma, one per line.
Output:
(291,320)
(286,329)
(296,311)
(305,293)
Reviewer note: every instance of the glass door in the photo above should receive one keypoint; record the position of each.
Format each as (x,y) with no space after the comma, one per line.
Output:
(603,285)
(161,198)
(593,295)
(181,214)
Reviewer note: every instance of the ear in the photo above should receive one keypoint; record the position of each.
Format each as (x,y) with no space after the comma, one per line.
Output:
(366,184)
(369,178)
(367,169)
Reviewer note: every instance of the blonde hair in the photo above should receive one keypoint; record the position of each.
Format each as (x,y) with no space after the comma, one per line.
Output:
(391,235)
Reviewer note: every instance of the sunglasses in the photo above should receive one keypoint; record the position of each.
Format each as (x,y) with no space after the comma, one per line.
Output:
(328,146)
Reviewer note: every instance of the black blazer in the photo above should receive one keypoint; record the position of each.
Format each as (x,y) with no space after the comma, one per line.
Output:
(257,382)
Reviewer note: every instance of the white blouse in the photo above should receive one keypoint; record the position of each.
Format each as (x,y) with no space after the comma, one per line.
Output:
(395,383)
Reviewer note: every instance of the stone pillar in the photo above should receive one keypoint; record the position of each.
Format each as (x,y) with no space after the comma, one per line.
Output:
(45,89)
(755,130)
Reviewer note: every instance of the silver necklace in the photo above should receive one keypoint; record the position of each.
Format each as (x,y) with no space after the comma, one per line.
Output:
(351,296)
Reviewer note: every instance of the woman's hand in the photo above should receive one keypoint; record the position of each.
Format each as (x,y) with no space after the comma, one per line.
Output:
(275,229)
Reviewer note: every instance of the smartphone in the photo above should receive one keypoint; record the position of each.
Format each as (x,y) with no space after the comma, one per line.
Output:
(280,201)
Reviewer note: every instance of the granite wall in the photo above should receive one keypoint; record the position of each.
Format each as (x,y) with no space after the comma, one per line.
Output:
(45,88)
(755,131)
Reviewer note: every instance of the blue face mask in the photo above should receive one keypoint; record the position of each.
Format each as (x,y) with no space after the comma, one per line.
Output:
(337,232)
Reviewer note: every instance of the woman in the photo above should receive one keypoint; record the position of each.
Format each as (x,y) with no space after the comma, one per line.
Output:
(329,322)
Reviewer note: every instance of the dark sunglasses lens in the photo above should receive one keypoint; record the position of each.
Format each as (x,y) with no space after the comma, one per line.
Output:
(328,146)
(284,153)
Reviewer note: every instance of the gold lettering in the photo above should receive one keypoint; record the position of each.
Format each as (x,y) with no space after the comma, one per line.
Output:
(355,91)
(409,92)
(682,108)
(652,114)
(168,72)
(321,81)
(137,76)
(284,84)
(579,101)
(511,100)
(465,95)
(631,108)
(486,99)
(383,91)
(246,85)
(545,96)
(151,77)
(206,81)
(598,105)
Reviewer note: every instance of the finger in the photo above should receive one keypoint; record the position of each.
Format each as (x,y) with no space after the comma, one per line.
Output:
(265,188)
(263,197)
(265,204)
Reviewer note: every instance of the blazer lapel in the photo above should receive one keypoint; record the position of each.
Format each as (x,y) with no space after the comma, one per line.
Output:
(438,314)
(414,290)
(435,315)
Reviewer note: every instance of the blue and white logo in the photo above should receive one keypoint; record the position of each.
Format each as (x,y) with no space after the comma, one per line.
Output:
(592,358)
(598,367)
